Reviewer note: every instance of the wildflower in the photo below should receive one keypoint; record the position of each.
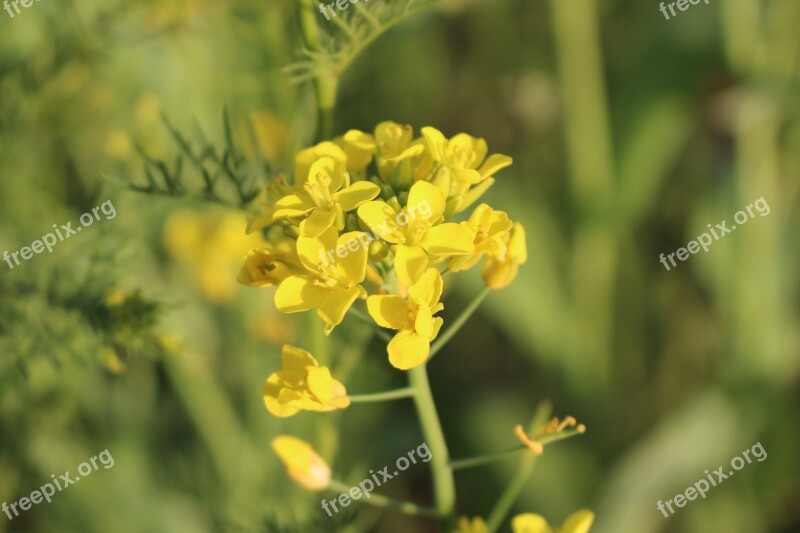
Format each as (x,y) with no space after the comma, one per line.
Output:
(302,464)
(331,288)
(553,427)
(489,227)
(501,266)
(302,384)
(359,148)
(413,318)
(270,264)
(577,522)
(327,193)
(476,525)
(421,236)
(396,144)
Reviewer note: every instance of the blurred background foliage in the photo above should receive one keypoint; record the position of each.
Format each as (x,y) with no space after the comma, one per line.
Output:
(629,133)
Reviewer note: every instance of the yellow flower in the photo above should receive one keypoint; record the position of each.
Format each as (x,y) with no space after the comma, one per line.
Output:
(476,525)
(501,267)
(489,227)
(276,189)
(417,237)
(359,148)
(331,287)
(327,193)
(578,522)
(302,464)
(413,318)
(396,144)
(464,159)
(302,384)
(304,159)
(270,264)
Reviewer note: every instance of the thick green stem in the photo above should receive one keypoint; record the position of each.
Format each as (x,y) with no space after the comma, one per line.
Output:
(326,79)
(443,483)
(383,396)
(383,502)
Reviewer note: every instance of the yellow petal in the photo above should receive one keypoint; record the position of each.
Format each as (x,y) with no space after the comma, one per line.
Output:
(336,303)
(530,523)
(317,223)
(272,389)
(294,359)
(409,263)
(449,239)
(516,246)
(320,383)
(437,142)
(380,218)
(499,273)
(475,147)
(388,311)
(352,268)
(293,205)
(425,194)
(428,289)
(339,398)
(299,293)
(495,163)
(305,158)
(474,194)
(578,522)
(356,194)
(423,324)
(408,349)
(302,464)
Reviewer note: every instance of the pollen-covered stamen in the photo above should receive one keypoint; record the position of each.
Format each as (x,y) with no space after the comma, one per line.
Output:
(416,231)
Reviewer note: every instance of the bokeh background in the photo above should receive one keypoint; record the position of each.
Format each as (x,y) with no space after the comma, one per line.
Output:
(630,134)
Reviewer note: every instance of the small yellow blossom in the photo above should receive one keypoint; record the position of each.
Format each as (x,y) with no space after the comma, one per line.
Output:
(302,384)
(395,145)
(302,464)
(501,266)
(270,264)
(327,194)
(359,148)
(420,238)
(331,288)
(489,227)
(577,522)
(476,525)
(413,318)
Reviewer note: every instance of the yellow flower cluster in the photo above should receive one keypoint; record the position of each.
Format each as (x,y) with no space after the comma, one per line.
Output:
(577,522)
(374,216)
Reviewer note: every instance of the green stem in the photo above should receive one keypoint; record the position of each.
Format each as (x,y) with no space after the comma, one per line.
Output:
(460,464)
(512,491)
(455,326)
(383,396)
(383,502)
(325,81)
(443,483)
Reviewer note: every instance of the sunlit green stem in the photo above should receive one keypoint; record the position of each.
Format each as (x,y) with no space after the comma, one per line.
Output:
(443,483)
(383,396)
(456,325)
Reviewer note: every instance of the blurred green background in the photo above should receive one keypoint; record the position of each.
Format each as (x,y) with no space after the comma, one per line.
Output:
(630,134)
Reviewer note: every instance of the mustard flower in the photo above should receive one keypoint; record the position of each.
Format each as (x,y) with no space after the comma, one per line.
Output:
(501,266)
(302,384)
(270,264)
(327,194)
(413,318)
(359,148)
(329,287)
(302,464)
(396,144)
(489,227)
(419,239)
(476,525)
(578,522)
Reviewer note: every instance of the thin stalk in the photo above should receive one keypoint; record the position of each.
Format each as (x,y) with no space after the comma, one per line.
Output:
(406,392)
(461,464)
(368,320)
(458,323)
(384,502)
(325,79)
(443,483)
